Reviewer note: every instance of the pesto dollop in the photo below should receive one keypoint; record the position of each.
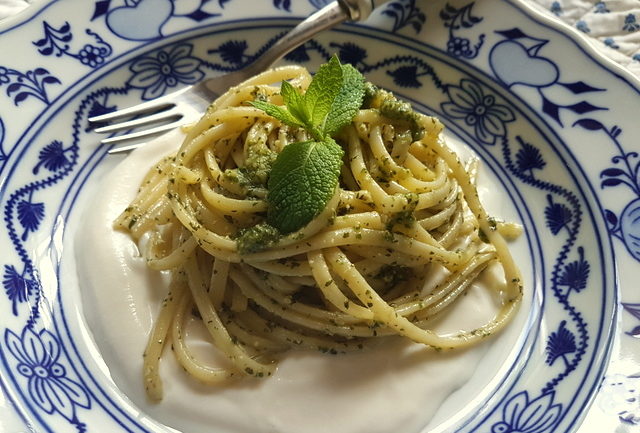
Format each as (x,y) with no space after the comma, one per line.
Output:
(392,108)
(257,238)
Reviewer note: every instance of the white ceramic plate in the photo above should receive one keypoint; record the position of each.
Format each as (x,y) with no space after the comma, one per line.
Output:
(555,126)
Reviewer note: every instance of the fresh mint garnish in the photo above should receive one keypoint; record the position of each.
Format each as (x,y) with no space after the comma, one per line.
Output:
(305,174)
(347,102)
(302,181)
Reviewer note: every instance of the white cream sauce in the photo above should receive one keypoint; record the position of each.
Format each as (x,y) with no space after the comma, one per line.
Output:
(394,388)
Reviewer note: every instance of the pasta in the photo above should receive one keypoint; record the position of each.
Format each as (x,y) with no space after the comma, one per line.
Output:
(402,237)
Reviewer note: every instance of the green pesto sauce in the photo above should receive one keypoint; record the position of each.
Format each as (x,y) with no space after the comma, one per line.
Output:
(258,164)
(391,275)
(405,217)
(257,167)
(395,110)
(257,238)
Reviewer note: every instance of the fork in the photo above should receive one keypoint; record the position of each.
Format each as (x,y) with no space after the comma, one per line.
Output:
(187,104)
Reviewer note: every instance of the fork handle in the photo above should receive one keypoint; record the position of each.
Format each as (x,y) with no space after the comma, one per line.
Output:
(359,10)
(329,16)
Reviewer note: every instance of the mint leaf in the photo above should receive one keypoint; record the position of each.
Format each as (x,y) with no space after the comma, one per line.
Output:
(280,113)
(322,91)
(303,179)
(295,103)
(347,102)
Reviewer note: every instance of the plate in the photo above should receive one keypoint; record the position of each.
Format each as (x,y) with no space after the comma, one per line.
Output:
(553,123)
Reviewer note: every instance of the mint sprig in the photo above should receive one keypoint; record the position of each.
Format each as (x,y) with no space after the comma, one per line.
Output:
(305,175)
(302,181)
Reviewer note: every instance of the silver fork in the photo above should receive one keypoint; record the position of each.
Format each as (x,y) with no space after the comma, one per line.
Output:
(185,105)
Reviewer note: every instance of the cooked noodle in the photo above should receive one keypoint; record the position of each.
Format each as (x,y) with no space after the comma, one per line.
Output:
(405,215)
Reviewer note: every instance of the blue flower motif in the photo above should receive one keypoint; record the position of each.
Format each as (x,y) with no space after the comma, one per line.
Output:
(636,57)
(165,69)
(459,47)
(48,385)
(630,23)
(523,416)
(478,110)
(556,8)
(91,56)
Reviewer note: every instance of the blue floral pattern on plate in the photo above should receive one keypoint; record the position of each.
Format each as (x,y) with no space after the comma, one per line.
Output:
(526,116)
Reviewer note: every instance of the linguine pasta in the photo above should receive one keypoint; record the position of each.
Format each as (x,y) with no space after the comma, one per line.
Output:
(402,237)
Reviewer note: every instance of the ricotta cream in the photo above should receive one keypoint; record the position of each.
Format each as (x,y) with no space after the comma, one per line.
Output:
(395,387)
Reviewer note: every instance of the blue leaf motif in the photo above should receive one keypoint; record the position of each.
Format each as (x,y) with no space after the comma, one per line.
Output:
(282,4)
(17,288)
(30,216)
(101,8)
(32,83)
(200,15)
(528,157)
(557,215)
(514,33)
(583,107)
(298,55)
(232,52)
(98,109)
(633,309)
(611,182)
(576,274)
(560,343)
(612,172)
(611,218)
(52,157)
(405,13)
(350,53)
(406,76)
(551,109)
(580,87)
(589,124)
